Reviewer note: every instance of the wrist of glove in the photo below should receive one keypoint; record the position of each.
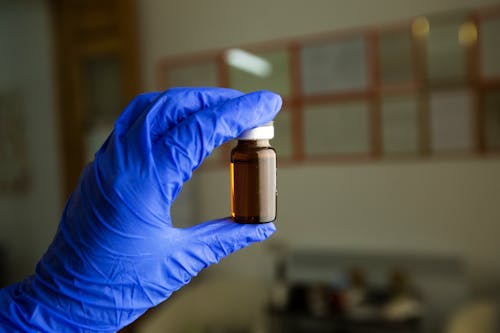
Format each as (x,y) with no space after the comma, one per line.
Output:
(116,252)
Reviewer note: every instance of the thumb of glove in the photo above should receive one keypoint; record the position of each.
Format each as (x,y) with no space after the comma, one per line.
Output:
(209,242)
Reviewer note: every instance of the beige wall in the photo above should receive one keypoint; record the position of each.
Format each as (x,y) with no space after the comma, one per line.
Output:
(427,206)
(175,26)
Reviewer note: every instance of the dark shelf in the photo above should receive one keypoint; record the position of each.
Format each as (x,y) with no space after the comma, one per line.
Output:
(291,322)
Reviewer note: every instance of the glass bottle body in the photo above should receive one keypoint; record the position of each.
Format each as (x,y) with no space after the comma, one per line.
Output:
(253,182)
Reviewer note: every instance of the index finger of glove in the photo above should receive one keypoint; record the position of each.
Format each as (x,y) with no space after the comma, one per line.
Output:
(185,146)
(134,109)
(175,104)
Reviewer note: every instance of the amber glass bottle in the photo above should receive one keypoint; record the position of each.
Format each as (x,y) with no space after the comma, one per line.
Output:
(253,177)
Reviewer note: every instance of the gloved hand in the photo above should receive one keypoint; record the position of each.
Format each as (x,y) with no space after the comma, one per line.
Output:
(116,252)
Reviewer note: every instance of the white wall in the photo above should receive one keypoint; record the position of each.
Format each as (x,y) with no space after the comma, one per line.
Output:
(433,206)
(28,220)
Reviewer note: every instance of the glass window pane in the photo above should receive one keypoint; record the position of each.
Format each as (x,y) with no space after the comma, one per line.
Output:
(95,137)
(102,90)
(396,57)
(196,75)
(400,124)
(446,58)
(337,66)
(13,149)
(274,76)
(490,47)
(102,93)
(492,119)
(451,120)
(337,129)
(282,141)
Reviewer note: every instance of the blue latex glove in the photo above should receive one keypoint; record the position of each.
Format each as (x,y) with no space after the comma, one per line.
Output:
(116,253)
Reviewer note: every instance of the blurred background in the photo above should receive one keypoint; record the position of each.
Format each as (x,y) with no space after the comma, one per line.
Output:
(388,146)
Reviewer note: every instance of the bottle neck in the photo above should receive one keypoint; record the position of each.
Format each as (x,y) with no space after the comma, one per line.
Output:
(254,143)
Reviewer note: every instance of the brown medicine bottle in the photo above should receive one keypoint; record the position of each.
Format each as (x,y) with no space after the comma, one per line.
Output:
(253,177)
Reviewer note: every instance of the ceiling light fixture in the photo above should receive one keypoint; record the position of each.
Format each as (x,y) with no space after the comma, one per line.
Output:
(248,62)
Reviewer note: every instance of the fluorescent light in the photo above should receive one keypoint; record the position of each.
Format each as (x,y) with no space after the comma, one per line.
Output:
(248,62)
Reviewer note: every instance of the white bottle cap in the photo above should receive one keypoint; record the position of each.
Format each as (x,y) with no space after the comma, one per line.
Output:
(264,132)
